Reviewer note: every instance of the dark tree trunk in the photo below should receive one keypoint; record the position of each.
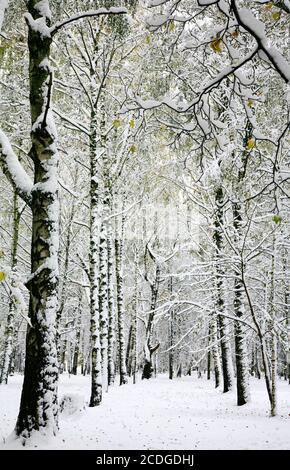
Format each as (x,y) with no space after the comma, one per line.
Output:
(171,336)
(76,352)
(179,371)
(120,305)
(171,340)
(239,328)
(240,339)
(148,348)
(224,340)
(209,354)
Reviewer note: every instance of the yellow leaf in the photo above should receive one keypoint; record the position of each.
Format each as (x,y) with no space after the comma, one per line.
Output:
(133,148)
(276,15)
(171,26)
(2,253)
(117,123)
(268,6)
(148,39)
(251,143)
(235,33)
(2,276)
(132,123)
(250,103)
(217,45)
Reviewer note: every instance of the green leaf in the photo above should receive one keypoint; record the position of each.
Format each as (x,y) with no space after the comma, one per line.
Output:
(117,123)
(277,219)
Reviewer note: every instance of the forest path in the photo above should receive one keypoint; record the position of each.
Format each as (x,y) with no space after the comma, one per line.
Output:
(186,413)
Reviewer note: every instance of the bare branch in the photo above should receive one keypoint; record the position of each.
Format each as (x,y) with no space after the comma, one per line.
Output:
(87,14)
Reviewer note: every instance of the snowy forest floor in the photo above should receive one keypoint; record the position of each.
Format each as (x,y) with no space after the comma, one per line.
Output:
(186,413)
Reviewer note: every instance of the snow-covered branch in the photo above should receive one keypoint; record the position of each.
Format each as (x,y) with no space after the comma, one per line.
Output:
(252,25)
(13,169)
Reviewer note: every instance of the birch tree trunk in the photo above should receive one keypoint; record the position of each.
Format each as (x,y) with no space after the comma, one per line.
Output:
(209,355)
(273,337)
(132,341)
(103,246)
(103,302)
(111,309)
(133,350)
(215,351)
(171,342)
(286,289)
(9,333)
(38,407)
(96,362)
(222,322)
(76,351)
(171,336)
(120,304)
(243,394)
(149,349)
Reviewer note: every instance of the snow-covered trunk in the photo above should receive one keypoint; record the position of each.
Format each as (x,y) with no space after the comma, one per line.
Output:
(215,351)
(38,407)
(103,302)
(273,337)
(149,349)
(63,355)
(132,341)
(129,344)
(133,349)
(64,277)
(103,243)
(219,301)
(243,393)
(8,345)
(225,349)
(76,351)
(288,334)
(111,308)
(208,363)
(96,360)
(9,332)
(120,304)
(258,370)
(171,342)
(74,370)
(286,294)
(171,337)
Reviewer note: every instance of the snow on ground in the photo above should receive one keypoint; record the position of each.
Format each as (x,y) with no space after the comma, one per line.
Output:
(186,413)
